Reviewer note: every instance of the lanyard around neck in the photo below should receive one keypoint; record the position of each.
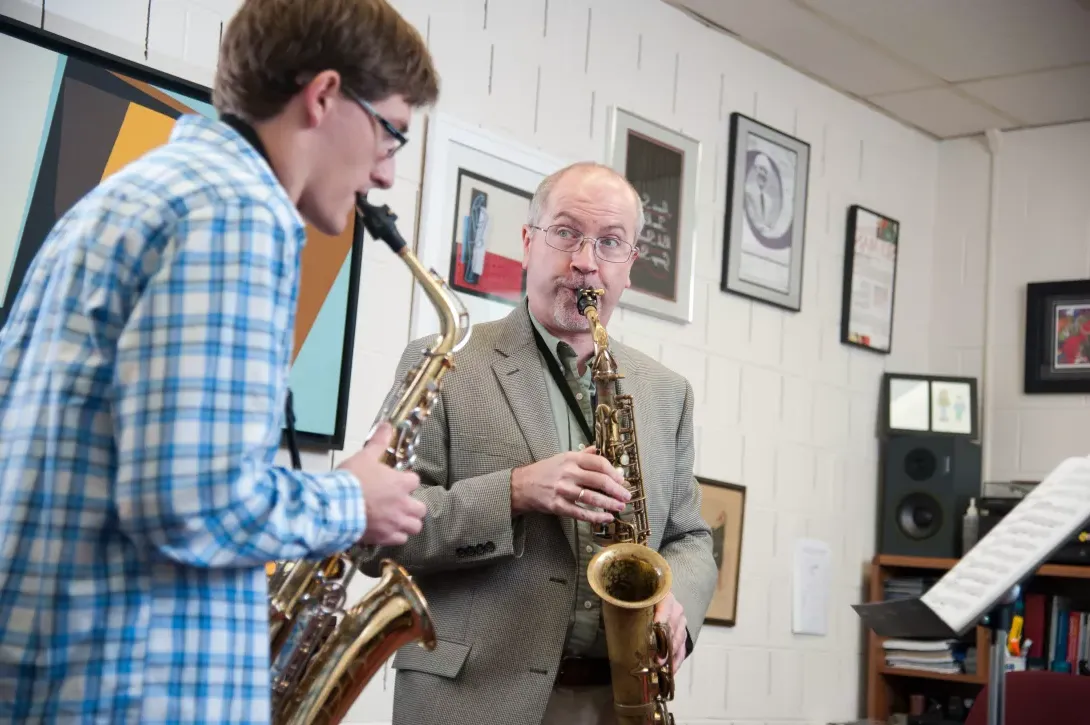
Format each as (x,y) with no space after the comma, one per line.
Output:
(562,383)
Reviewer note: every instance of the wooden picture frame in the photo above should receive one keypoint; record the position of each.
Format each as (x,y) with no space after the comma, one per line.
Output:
(664,167)
(723,507)
(82,115)
(764,234)
(870,279)
(1057,347)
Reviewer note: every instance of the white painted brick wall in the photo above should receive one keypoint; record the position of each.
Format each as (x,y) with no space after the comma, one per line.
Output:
(1041,233)
(782,406)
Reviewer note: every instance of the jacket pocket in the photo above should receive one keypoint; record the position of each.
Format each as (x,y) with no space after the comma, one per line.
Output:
(445,660)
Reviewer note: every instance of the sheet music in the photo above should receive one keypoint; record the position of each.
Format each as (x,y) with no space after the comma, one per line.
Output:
(1050,515)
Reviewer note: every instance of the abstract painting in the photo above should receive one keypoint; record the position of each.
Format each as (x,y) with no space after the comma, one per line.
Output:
(75,117)
(475,199)
(486,257)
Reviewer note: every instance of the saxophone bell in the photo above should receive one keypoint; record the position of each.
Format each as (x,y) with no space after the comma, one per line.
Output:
(631,579)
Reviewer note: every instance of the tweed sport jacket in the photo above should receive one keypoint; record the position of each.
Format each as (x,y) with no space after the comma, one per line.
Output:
(501,588)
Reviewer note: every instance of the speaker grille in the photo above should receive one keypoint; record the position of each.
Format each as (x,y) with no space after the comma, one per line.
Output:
(919,516)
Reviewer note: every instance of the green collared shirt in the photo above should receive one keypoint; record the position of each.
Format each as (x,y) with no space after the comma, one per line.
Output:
(584,634)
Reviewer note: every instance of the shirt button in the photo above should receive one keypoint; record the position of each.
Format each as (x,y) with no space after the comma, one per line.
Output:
(578,396)
(582,446)
(590,549)
(587,605)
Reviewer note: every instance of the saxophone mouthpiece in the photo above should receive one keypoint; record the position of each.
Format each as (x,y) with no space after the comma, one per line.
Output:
(588,297)
(380,223)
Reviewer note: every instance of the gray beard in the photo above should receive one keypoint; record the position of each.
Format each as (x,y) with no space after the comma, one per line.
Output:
(566,316)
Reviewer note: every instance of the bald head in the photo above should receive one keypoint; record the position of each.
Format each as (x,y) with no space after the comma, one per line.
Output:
(583,169)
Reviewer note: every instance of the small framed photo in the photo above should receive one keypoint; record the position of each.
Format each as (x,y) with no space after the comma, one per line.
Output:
(723,507)
(765,231)
(870,277)
(663,165)
(1058,337)
(928,404)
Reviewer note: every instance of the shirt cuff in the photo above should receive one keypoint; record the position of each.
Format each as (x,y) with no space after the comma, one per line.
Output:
(347,512)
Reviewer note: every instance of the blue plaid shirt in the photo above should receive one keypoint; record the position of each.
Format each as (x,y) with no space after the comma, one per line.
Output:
(143,373)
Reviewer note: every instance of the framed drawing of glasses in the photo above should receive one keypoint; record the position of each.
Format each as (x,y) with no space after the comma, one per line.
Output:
(663,166)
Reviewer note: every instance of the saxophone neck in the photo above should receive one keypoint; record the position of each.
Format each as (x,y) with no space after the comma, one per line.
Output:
(601,360)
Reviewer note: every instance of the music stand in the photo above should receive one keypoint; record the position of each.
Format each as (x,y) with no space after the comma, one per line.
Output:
(982,588)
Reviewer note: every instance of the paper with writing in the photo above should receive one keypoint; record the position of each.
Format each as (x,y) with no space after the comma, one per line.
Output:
(1026,537)
(656,244)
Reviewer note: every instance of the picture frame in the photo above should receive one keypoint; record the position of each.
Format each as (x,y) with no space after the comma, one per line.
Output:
(1057,337)
(664,167)
(871,248)
(480,184)
(723,507)
(912,404)
(764,231)
(83,114)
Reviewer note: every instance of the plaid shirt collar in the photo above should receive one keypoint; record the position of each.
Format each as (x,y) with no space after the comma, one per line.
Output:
(224,139)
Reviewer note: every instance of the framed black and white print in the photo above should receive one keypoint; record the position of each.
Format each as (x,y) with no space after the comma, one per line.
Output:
(870,276)
(1058,337)
(764,235)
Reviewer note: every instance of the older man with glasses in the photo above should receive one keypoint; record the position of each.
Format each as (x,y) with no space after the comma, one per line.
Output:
(513,485)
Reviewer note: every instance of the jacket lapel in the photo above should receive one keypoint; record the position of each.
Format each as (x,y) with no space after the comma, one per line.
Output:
(521,376)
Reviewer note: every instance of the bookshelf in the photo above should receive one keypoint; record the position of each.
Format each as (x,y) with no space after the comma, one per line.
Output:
(888,688)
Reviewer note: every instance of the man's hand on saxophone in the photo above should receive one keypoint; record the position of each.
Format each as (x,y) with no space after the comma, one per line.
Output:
(670,611)
(557,485)
(393,515)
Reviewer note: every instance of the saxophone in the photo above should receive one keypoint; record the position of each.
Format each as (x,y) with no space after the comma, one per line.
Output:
(630,577)
(323,655)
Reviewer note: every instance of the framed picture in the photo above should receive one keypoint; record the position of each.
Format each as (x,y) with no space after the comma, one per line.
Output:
(928,404)
(870,277)
(723,507)
(1058,337)
(476,196)
(764,236)
(77,116)
(664,166)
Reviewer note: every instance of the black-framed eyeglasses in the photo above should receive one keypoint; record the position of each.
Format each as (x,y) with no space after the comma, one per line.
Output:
(565,239)
(398,137)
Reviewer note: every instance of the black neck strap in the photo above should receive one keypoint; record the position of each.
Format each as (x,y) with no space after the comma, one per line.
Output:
(562,383)
(247,132)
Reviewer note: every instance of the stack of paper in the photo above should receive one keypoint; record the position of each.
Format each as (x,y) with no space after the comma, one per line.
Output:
(929,655)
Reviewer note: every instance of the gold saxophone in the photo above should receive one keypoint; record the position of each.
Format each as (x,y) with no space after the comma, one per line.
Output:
(323,655)
(630,577)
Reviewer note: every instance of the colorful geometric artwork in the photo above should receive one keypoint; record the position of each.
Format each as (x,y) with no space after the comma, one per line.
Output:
(74,118)
(486,257)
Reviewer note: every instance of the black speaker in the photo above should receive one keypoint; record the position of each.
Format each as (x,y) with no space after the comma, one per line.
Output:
(927,482)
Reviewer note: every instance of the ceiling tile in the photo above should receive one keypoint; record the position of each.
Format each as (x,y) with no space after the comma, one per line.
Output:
(804,40)
(1054,96)
(941,112)
(971,39)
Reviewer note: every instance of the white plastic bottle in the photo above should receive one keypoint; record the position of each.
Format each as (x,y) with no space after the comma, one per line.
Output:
(970,527)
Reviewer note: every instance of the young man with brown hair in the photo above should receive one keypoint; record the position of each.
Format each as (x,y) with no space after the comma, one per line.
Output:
(143,372)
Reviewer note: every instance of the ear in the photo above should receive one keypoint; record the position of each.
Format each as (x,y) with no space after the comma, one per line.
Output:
(319,94)
(527,234)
